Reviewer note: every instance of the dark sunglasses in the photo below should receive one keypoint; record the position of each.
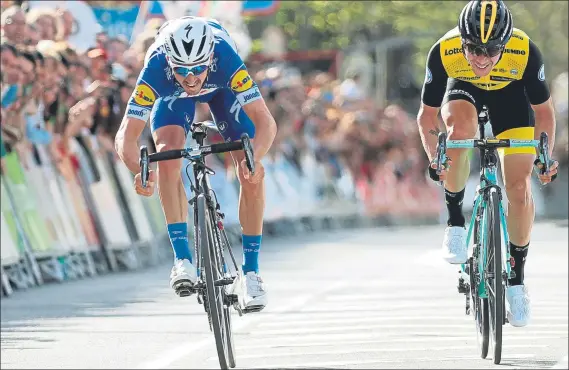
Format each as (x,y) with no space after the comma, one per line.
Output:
(186,71)
(481,50)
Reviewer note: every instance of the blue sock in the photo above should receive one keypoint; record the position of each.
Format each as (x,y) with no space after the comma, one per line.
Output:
(178,234)
(251,247)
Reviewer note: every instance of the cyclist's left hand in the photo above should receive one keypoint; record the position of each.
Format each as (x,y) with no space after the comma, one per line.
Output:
(547,177)
(259,172)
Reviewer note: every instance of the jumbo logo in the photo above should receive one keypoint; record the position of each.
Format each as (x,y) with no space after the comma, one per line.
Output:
(144,95)
(241,81)
(515,51)
(453,51)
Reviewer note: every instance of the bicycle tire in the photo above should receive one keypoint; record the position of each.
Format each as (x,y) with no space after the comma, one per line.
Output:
(214,294)
(495,265)
(229,338)
(226,308)
(481,319)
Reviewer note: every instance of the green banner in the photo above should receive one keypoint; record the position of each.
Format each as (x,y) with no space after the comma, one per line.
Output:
(24,203)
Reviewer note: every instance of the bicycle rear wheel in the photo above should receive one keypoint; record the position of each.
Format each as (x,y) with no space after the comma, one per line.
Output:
(495,278)
(212,273)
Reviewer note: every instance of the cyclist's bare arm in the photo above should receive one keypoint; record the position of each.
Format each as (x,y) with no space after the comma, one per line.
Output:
(431,98)
(539,95)
(545,122)
(126,142)
(265,127)
(429,128)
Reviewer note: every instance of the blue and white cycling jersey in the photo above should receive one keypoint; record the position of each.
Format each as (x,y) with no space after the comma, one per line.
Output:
(227,88)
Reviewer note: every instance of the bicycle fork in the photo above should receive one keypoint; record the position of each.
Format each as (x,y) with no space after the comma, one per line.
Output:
(469,273)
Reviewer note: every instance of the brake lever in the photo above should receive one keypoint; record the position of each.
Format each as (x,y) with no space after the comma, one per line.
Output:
(249,155)
(544,153)
(144,171)
(441,152)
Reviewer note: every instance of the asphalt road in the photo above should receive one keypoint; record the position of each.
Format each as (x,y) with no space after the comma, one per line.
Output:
(368,298)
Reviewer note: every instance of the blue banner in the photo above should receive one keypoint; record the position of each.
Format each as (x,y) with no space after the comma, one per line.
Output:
(259,7)
(120,19)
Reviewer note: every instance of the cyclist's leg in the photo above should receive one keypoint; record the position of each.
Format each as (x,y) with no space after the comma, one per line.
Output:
(459,113)
(169,127)
(232,121)
(510,121)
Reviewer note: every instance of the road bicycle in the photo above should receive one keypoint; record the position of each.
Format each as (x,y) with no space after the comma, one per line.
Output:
(216,277)
(484,276)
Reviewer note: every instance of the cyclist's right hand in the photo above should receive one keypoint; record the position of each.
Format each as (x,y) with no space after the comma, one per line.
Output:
(443,175)
(149,189)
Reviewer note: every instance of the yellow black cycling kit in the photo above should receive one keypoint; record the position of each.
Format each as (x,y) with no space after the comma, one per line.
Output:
(516,81)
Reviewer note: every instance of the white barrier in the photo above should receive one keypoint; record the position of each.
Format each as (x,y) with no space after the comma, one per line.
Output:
(108,210)
(288,193)
(134,202)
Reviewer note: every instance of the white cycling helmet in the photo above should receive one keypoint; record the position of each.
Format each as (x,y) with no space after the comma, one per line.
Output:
(188,40)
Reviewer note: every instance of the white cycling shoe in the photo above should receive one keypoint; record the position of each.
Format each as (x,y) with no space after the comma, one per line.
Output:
(251,291)
(518,305)
(183,277)
(454,248)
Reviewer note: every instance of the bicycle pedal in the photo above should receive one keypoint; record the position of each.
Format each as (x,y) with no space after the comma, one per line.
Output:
(252,309)
(184,288)
(183,291)
(463,287)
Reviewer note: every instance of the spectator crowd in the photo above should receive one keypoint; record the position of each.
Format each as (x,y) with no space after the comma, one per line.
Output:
(52,93)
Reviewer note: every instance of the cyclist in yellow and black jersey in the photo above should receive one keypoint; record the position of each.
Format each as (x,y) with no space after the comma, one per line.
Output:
(486,61)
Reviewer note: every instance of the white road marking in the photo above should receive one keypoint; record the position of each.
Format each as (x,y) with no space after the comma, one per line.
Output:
(321,364)
(168,357)
(371,319)
(364,328)
(562,364)
(336,351)
(339,341)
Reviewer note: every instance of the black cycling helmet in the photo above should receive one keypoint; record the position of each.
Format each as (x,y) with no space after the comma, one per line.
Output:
(486,23)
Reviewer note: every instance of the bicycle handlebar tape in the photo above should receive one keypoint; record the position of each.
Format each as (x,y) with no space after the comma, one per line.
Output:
(226,147)
(167,155)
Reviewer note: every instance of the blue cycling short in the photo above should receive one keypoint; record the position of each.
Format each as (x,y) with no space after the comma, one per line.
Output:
(227,112)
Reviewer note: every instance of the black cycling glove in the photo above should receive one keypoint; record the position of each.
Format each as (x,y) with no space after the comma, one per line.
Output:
(541,171)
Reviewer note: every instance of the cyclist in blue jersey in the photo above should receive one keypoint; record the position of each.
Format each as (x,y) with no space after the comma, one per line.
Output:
(195,60)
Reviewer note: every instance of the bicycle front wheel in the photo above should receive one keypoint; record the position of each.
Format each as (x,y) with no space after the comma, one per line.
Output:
(220,261)
(495,277)
(480,310)
(229,338)
(212,273)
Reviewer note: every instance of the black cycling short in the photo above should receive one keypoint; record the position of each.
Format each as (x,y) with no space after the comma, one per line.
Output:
(508,107)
